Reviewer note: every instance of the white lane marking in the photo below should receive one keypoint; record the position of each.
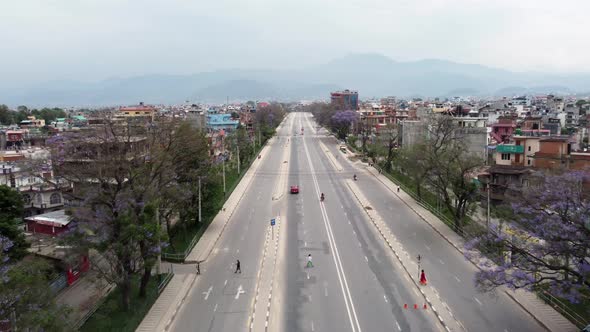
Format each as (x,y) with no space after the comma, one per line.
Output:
(305,244)
(240,291)
(354,322)
(427,247)
(238,251)
(312,328)
(385,298)
(398,327)
(366,259)
(309,297)
(326,291)
(207,293)
(308,275)
(215,309)
(440,260)
(458,280)
(225,283)
(416,292)
(476,300)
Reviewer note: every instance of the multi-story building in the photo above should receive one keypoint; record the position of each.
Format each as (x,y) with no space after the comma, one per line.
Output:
(32,122)
(503,130)
(137,111)
(41,192)
(345,100)
(556,153)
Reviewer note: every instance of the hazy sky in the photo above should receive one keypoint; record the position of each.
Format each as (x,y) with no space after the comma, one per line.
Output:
(95,39)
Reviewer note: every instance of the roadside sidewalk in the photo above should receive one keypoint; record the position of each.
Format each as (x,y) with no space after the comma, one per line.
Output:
(84,294)
(543,313)
(164,310)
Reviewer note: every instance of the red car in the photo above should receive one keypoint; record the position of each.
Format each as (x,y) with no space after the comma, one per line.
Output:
(294,189)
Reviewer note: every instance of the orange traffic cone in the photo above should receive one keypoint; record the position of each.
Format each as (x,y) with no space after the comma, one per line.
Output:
(425,307)
(405,306)
(415,306)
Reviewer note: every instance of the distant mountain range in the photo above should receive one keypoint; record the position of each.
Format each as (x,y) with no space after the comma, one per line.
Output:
(372,75)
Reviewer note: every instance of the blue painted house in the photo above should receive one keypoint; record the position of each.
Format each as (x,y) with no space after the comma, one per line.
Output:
(216,122)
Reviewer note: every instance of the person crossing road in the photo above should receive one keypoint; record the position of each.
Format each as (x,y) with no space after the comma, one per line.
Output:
(238,267)
(309,262)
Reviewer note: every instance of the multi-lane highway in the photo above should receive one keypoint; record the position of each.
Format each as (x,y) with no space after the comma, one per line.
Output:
(356,283)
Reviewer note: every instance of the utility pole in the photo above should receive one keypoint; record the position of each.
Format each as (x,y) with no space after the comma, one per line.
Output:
(223,172)
(488,219)
(238,147)
(159,259)
(223,162)
(419,258)
(200,220)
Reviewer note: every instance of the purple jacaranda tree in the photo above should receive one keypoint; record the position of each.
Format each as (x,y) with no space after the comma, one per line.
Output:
(116,172)
(549,245)
(342,121)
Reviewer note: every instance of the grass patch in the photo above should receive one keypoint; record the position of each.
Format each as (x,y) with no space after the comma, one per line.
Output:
(111,317)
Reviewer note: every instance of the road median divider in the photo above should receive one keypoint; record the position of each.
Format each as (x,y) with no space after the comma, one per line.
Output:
(331,157)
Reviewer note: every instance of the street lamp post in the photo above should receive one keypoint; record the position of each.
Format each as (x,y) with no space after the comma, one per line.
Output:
(200,220)
(238,147)
(159,259)
(419,258)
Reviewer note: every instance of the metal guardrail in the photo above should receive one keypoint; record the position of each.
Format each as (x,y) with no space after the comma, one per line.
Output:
(165,282)
(58,283)
(94,308)
(562,308)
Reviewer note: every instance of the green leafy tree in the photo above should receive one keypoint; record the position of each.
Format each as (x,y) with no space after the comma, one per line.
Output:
(11,212)
(6,115)
(25,299)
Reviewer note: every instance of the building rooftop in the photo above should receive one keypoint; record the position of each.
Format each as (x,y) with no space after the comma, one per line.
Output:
(56,218)
(509,169)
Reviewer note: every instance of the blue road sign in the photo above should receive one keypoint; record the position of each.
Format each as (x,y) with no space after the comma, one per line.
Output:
(272,222)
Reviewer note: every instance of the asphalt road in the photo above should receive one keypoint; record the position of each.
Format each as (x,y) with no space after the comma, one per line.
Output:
(448,271)
(220,299)
(356,283)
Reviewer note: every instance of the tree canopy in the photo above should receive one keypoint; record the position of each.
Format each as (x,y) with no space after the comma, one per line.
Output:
(550,246)
(11,211)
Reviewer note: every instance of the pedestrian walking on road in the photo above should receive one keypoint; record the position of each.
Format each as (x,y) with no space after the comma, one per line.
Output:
(198,267)
(309,262)
(238,268)
(398,189)
(423,278)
